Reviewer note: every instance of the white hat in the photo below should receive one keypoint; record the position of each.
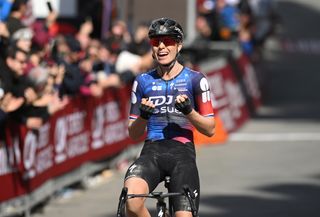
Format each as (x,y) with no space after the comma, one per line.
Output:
(24,34)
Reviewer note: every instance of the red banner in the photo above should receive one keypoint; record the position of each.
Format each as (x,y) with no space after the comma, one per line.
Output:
(228,99)
(250,80)
(87,129)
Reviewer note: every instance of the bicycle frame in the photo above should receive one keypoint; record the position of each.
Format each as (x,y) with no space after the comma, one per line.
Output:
(160,197)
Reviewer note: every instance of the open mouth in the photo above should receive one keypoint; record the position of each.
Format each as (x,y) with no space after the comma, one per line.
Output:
(162,54)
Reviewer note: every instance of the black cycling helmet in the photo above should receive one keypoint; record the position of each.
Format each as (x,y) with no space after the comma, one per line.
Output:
(166,27)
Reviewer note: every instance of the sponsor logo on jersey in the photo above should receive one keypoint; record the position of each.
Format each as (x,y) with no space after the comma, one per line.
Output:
(156,88)
(161,100)
(133,93)
(162,104)
(204,85)
(132,168)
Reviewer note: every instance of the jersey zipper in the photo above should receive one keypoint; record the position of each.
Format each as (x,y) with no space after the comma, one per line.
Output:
(167,114)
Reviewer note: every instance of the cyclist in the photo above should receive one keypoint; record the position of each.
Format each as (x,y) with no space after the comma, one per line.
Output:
(169,101)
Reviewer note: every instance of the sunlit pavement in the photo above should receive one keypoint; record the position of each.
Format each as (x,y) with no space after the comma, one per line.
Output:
(271,165)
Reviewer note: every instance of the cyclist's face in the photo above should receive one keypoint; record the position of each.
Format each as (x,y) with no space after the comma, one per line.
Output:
(165,49)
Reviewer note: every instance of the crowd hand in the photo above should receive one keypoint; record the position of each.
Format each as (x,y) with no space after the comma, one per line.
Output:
(51,18)
(44,100)
(86,28)
(57,74)
(30,95)
(146,108)
(111,80)
(34,122)
(183,104)
(10,103)
(57,103)
(4,30)
(96,90)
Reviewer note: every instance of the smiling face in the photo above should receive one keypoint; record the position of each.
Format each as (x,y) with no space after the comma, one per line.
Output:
(165,49)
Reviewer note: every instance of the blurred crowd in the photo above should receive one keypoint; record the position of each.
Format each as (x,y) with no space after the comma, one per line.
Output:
(249,22)
(43,67)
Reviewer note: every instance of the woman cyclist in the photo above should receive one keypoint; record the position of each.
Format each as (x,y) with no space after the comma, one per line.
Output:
(169,101)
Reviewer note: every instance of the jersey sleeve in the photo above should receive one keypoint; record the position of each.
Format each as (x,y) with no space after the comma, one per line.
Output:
(202,96)
(136,96)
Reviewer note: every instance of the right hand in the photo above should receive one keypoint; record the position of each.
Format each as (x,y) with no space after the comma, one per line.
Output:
(10,103)
(146,108)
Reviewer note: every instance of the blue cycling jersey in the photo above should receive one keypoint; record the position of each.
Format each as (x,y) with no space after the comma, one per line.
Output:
(167,122)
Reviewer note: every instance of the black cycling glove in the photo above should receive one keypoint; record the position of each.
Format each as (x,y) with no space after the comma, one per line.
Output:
(184,107)
(146,111)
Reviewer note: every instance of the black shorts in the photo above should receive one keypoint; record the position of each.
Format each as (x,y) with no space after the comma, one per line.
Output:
(162,158)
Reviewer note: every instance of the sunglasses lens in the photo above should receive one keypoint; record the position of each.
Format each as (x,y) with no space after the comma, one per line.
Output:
(154,42)
(167,41)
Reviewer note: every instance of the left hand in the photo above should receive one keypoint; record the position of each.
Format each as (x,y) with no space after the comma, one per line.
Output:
(183,104)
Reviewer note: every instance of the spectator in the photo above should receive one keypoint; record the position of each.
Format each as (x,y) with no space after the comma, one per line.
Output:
(205,7)
(228,19)
(205,31)
(46,96)
(43,33)
(104,68)
(66,52)
(246,27)
(14,21)
(22,38)
(15,82)
(12,71)
(83,35)
(8,103)
(119,37)
(140,44)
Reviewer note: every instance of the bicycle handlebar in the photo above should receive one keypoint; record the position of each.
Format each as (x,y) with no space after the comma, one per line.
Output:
(155,195)
(124,196)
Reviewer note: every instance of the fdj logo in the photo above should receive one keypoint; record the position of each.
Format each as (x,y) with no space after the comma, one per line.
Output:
(161,100)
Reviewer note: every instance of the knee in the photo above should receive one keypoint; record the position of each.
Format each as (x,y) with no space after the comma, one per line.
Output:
(135,205)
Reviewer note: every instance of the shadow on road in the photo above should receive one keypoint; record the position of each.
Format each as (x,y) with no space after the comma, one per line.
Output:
(294,200)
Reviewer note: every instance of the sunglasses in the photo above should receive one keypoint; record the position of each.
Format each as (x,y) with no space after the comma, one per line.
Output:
(166,40)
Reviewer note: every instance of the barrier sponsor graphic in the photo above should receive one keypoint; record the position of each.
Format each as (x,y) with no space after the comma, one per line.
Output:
(87,129)
(250,80)
(90,129)
(228,99)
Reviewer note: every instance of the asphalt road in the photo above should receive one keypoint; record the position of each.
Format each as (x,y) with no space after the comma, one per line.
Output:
(271,166)
(242,178)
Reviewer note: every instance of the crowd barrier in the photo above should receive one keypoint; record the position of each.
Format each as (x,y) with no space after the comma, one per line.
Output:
(92,129)
(88,129)
(235,93)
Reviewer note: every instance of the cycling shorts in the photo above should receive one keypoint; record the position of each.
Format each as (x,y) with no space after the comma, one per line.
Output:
(162,158)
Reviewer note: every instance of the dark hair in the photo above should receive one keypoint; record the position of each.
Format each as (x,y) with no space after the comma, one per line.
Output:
(13,50)
(17,4)
(166,27)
